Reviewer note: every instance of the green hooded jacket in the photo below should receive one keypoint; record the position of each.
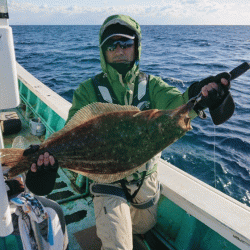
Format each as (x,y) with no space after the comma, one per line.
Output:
(162,95)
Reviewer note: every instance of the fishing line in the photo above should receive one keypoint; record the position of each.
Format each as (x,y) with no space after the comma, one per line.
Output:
(214,161)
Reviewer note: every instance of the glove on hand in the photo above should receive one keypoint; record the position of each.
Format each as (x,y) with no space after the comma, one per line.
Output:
(215,97)
(33,149)
(43,180)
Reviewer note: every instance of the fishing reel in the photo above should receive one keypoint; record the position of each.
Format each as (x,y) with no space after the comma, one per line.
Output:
(224,110)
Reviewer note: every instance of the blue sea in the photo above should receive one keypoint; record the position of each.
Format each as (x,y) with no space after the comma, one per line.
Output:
(64,56)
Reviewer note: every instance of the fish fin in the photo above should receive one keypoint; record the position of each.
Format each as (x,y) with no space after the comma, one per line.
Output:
(95,109)
(89,112)
(106,178)
(10,157)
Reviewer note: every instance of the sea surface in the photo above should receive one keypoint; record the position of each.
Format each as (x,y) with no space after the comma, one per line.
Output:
(64,56)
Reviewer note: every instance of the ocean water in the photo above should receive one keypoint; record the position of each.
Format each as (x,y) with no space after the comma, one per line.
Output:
(63,56)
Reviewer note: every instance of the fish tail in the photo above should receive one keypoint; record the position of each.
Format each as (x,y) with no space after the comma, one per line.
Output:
(10,157)
(14,159)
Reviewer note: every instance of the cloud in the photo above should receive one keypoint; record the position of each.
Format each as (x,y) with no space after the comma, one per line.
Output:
(147,12)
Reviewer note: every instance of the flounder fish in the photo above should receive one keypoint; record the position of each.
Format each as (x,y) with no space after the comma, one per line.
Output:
(106,142)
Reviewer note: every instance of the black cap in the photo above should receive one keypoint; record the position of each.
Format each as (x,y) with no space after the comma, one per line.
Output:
(117,30)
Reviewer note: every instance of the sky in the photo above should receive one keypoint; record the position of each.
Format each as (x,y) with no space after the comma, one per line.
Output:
(146,12)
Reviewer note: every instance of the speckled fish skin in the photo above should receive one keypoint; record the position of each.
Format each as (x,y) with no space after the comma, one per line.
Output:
(113,143)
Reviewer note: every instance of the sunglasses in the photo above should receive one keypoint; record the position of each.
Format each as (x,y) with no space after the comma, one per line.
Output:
(111,45)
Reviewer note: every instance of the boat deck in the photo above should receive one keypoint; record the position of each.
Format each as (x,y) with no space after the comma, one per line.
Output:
(24,133)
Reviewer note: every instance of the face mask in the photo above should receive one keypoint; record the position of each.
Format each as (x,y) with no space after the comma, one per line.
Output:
(122,68)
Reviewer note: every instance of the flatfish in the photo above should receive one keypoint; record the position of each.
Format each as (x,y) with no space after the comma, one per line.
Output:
(106,142)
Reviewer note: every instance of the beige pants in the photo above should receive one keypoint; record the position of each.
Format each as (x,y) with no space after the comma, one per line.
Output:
(117,221)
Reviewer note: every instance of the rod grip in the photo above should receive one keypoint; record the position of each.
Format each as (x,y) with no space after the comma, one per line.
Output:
(238,71)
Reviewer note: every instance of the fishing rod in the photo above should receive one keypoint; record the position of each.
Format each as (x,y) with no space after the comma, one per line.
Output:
(226,109)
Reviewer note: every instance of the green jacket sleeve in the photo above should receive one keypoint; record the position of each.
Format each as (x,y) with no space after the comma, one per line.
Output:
(83,96)
(164,96)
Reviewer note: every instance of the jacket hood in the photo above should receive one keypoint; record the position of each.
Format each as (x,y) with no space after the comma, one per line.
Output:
(131,24)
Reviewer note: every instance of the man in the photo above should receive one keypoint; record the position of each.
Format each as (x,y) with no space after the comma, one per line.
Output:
(129,206)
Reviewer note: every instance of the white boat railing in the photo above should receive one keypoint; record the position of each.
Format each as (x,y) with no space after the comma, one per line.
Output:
(220,212)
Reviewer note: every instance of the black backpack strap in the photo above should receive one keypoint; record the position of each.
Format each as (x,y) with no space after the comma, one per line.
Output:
(127,194)
(105,93)
(141,95)
(103,89)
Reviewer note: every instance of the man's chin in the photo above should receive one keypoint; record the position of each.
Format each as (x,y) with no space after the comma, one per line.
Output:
(122,67)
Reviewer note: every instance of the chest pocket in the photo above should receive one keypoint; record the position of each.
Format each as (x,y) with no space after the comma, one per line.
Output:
(105,93)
